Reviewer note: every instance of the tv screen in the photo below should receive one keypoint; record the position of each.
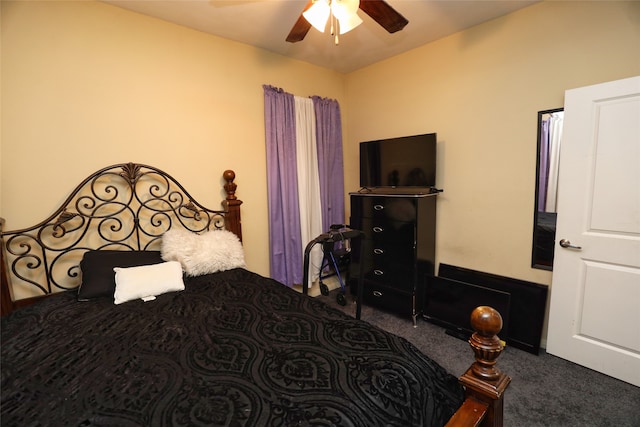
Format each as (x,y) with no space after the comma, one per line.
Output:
(408,161)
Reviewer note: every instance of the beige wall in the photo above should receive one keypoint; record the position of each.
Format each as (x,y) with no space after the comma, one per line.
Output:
(480,90)
(86,85)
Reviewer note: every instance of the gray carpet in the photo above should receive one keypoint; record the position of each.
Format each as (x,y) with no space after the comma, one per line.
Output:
(545,390)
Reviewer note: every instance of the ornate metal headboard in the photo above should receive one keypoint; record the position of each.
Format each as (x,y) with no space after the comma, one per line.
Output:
(126,206)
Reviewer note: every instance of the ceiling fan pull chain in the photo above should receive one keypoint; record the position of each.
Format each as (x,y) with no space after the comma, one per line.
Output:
(334,28)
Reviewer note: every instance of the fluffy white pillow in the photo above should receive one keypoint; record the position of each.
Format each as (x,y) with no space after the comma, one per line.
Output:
(216,250)
(177,244)
(147,281)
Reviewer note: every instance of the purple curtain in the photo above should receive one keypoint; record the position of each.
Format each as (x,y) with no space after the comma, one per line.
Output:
(282,186)
(286,261)
(543,174)
(330,164)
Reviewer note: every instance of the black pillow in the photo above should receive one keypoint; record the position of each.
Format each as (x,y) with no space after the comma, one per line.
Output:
(98,277)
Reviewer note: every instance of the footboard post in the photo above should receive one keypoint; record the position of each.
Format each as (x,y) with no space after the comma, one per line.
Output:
(483,382)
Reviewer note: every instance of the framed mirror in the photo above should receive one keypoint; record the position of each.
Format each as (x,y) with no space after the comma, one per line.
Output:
(549,135)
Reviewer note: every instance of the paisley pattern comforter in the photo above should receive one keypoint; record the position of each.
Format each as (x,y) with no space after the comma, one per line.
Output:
(232,349)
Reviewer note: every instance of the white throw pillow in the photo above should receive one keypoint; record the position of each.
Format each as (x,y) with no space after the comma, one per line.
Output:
(177,244)
(199,254)
(147,281)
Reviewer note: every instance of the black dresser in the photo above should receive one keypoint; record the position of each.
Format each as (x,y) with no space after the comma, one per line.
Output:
(397,250)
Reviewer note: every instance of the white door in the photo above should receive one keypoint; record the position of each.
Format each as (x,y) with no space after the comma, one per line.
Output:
(594,318)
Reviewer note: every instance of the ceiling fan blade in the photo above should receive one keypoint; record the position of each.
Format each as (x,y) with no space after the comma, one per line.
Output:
(300,28)
(383,14)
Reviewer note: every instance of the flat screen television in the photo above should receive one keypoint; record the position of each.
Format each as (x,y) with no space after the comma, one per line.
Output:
(408,161)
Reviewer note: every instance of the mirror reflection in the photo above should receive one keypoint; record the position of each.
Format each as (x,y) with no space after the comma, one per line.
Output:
(549,133)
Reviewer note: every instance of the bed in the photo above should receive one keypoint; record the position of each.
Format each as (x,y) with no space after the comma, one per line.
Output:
(139,311)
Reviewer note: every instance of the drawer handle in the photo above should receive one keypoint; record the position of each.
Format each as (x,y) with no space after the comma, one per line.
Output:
(377,294)
(378,207)
(378,272)
(378,229)
(378,251)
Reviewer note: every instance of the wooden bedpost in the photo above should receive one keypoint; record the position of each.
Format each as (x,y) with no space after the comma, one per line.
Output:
(232,204)
(483,382)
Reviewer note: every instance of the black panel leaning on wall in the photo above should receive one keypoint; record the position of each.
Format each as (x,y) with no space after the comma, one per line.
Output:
(527,305)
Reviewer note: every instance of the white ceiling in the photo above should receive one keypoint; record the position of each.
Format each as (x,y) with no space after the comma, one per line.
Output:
(266,23)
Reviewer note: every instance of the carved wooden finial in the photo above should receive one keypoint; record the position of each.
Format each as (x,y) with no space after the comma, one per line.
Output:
(483,382)
(486,345)
(230,186)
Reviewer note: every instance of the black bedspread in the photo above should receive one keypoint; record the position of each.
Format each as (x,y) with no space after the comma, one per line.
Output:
(233,349)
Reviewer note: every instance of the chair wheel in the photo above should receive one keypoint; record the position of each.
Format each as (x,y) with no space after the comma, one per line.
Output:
(324,289)
(341,299)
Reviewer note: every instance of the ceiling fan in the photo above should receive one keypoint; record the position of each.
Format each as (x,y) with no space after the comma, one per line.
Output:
(378,10)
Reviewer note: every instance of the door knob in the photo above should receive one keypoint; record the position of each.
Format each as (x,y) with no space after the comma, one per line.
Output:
(567,244)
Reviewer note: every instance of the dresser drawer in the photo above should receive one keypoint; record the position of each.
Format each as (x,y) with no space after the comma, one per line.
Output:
(391,299)
(377,229)
(394,277)
(391,208)
(393,260)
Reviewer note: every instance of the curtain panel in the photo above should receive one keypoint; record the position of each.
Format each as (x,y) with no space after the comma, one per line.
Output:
(555,139)
(543,167)
(550,140)
(305,178)
(330,161)
(282,185)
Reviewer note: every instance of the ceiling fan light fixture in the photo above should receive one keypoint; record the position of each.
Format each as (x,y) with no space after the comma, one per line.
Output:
(349,23)
(344,8)
(343,16)
(318,14)
(344,11)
